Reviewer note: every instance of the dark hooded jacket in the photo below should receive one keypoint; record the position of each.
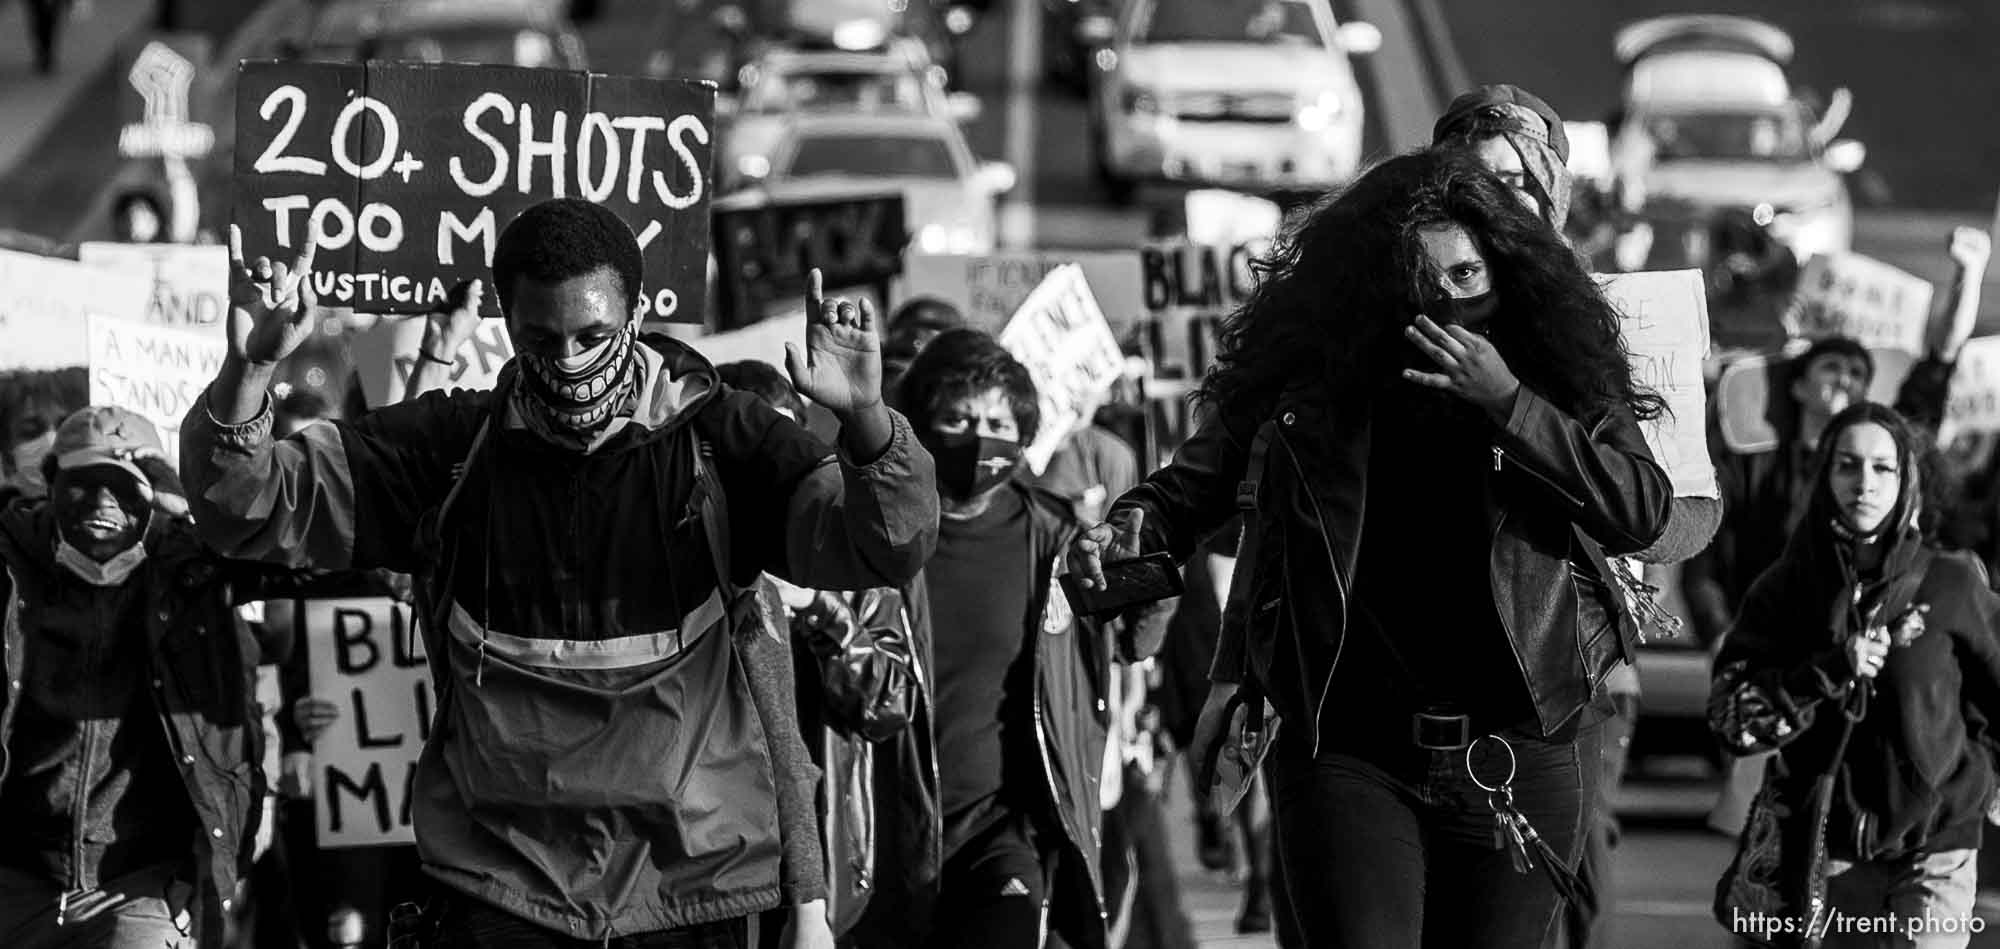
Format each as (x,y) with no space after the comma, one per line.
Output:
(586,771)
(1918,769)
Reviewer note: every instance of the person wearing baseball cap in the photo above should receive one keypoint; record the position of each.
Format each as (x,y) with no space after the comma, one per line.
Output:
(1520,138)
(129,747)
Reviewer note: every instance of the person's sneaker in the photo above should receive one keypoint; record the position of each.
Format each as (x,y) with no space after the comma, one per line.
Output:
(1212,847)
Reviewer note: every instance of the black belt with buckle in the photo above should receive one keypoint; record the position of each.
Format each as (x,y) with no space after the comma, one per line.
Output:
(1440,729)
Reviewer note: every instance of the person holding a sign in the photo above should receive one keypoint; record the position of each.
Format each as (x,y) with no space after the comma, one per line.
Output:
(1019,719)
(130,750)
(1426,414)
(1869,657)
(584,538)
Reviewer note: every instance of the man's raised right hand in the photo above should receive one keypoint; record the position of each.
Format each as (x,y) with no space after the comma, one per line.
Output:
(270,304)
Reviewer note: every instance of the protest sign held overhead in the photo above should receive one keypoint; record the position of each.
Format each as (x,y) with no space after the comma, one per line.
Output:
(156,371)
(1061,337)
(385,355)
(764,249)
(190,281)
(1863,298)
(159,104)
(365,656)
(1664,317)
(989,288)
(411,171)
(45,300)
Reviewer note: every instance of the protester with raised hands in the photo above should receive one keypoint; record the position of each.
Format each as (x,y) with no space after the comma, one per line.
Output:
(1421,356)
(584,537)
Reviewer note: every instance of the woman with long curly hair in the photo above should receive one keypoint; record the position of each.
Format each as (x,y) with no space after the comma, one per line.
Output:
(1867,653)
(1426,413)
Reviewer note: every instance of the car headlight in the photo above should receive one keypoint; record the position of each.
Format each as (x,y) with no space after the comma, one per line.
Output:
(1141,101)
(1319,112)
(859,35)
(933,239)
(753,167)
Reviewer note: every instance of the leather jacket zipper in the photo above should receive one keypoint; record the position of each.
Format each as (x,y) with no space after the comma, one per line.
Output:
(1339,585)
(1041,728)
(1500,454)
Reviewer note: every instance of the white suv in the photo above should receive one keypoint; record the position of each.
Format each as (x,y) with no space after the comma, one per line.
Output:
(1253,95)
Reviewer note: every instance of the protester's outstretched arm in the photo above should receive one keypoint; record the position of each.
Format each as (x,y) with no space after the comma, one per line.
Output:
(1970,250)
(445,333)
(864,517)
(333,496)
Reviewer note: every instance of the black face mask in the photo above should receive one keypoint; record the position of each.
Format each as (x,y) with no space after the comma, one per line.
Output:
(968,465)
(1470,312)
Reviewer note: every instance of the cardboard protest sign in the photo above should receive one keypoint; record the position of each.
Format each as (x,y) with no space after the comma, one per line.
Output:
(157,100)
(765,249)
(989,288)
(1188,290)
(1061,336)
(1861,297)
(44,301)
(386,354)
(1665,322)
(190,281)
(1973,406)
(364,655)
(156,371)
(411,171)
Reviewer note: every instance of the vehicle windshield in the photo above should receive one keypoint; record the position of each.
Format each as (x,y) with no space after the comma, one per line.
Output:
(873,93)
(864,155)
(1262,22)
(496,47)
(1729,136)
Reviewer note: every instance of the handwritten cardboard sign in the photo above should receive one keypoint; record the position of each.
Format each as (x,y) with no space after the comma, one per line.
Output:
(1973,406)
(1188,291)
(1665,322)
(45,300)
(156,371)
(190,281)
(990,288)
(411,171)
(1061,336)
(764,250)
(1864,298)
(386,354)
(365,656)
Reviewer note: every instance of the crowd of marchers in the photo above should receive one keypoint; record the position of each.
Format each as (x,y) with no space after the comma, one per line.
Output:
(743,655)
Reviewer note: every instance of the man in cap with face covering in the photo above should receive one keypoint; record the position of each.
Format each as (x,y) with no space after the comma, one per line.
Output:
(129,742)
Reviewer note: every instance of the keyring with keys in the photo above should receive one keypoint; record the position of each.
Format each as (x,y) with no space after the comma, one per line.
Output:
(1508,825)
(1513,833)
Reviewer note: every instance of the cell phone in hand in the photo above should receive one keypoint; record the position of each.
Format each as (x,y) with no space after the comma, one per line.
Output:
(1127,583)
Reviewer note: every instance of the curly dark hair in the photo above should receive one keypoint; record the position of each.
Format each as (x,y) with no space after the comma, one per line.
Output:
(562,239)
(964,362)
(1336,291)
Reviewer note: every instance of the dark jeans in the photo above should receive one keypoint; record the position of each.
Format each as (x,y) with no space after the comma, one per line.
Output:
(469,924)
(1396,850)
(1589,926)
(992,890)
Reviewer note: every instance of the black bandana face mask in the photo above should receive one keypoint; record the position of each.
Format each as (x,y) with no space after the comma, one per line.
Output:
(1472,312)
(969,466)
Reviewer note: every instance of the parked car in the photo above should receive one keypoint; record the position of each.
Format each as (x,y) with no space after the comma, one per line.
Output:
(1711,121)
(786,83)
(498,32)
(1254,95)
(949,197)
(870,25)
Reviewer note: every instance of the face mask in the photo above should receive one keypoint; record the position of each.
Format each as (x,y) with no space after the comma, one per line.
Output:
(579,393)
(1469,312)
(969,466)
(110,573)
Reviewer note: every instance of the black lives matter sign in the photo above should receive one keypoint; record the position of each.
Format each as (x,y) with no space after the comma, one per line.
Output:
(410,172)
(764,250)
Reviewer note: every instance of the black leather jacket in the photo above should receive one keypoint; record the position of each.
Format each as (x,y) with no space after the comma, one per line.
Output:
(1561,494)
